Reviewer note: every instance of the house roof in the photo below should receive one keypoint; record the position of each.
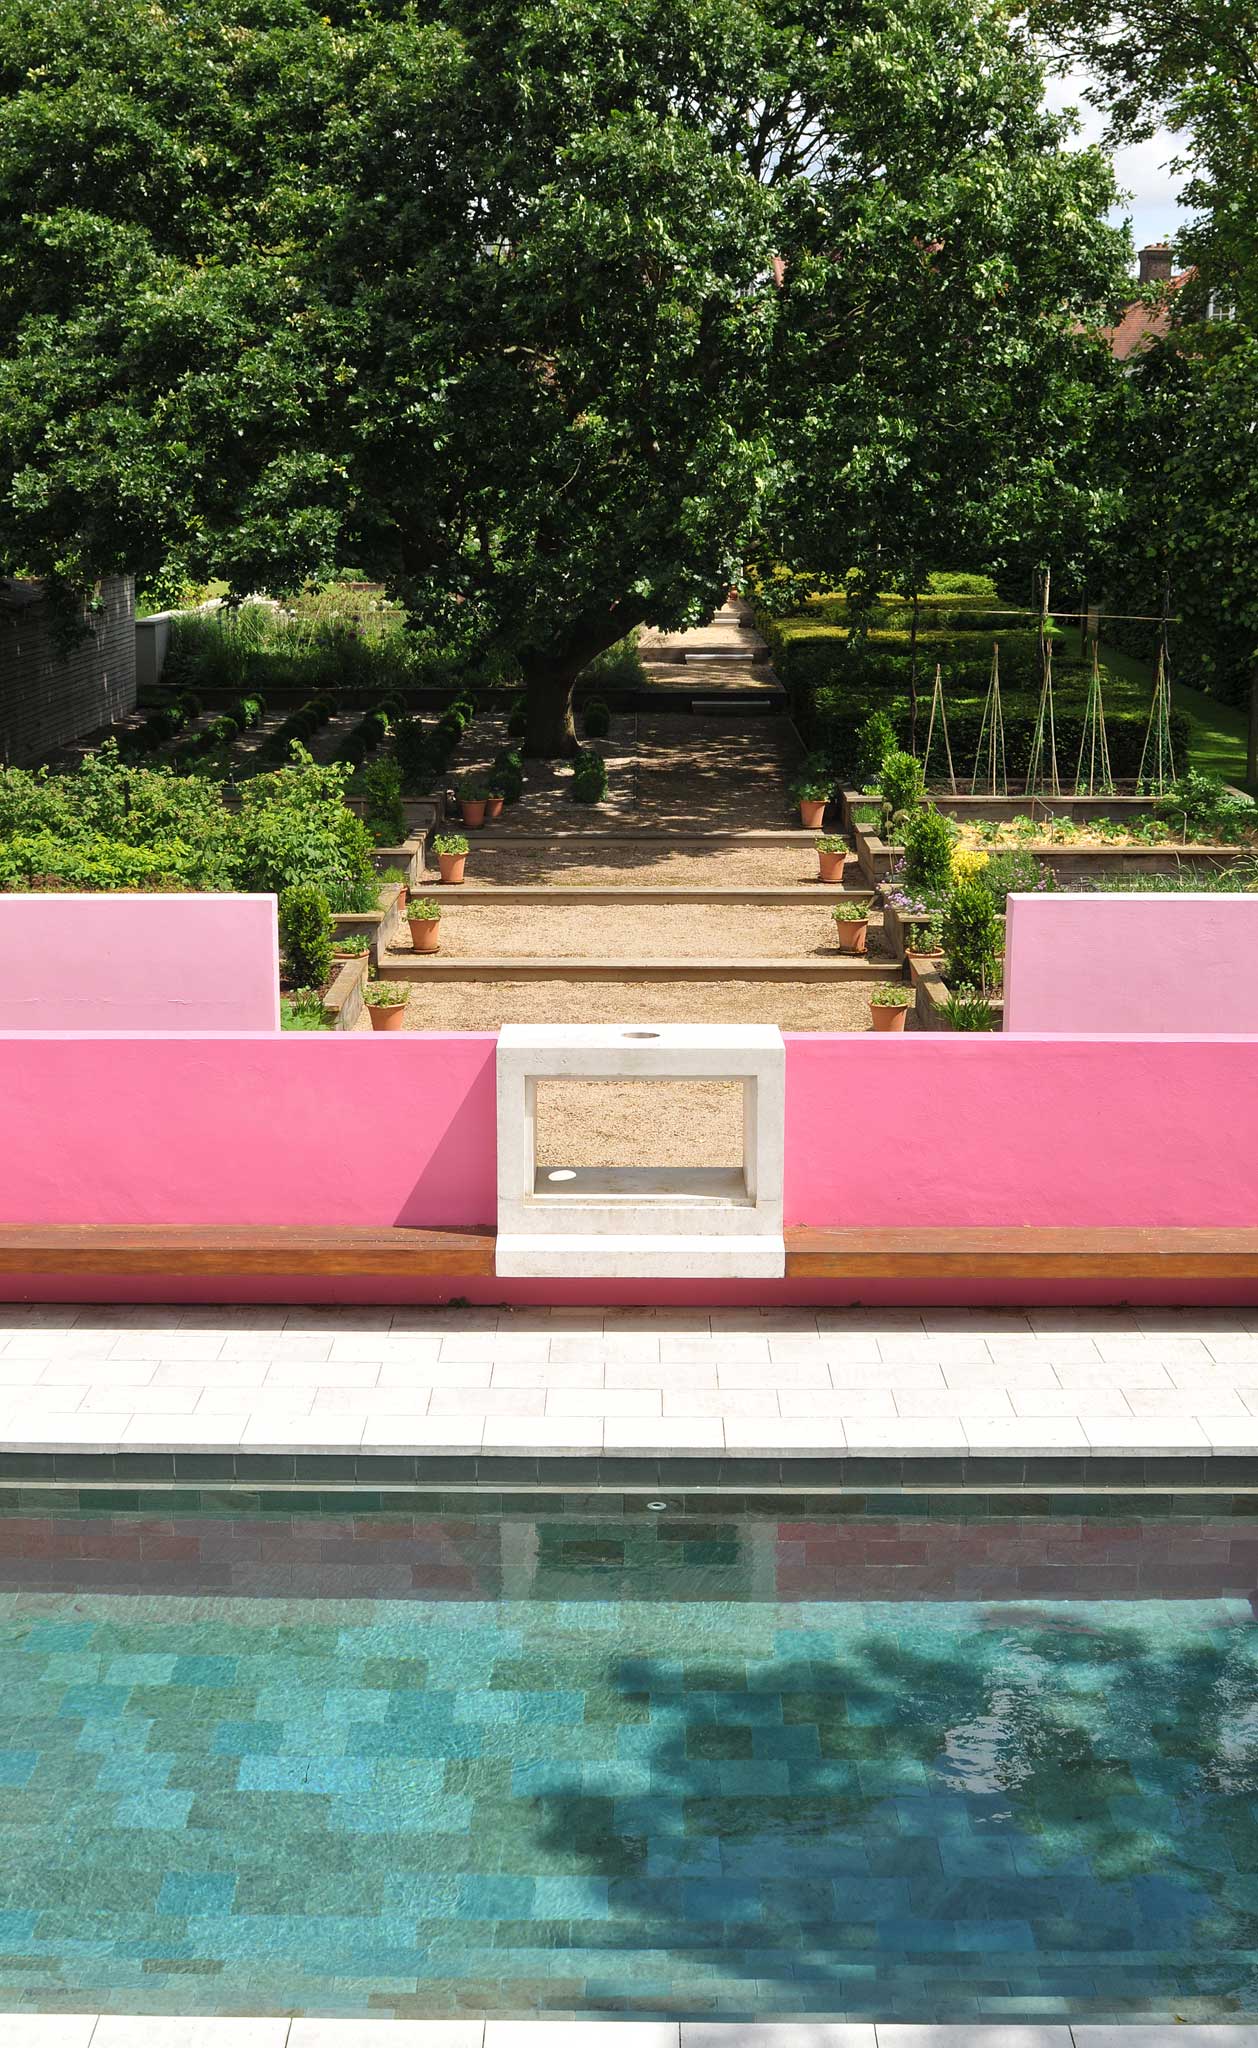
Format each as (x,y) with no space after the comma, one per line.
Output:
(1141,324)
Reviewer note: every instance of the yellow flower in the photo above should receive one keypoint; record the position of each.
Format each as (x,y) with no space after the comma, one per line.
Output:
(967,862)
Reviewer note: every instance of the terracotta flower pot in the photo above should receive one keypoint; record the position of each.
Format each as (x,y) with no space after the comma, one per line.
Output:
(452,866)
(473,809)
(852,935)
(493,806)
(812,812)
(425,934)
(831,865)
(884,1018)
(386,1020)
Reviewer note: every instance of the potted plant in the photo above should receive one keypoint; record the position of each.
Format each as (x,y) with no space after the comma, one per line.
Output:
(386,1004)
(924,939)
(451,851)
(352,946)
(424,918)
(889,1006)
(494,803)
(851,922)
(812,793)
(831,853)
(473,797)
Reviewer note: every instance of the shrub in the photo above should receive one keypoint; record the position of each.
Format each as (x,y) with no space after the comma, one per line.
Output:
(473,791)
(506,776)
(1200,807)
(517,718)
(875,739)
(295,826)
(1013,872)
(304,940)
(618,667)
(927,841)
(814,784)
(968,862)
(967,1009)
(972,938)
(596,719)
(901,781)
(386,818)
(589,777)
(303,1011)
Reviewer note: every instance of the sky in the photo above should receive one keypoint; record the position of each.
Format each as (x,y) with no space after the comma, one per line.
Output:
(1153,207)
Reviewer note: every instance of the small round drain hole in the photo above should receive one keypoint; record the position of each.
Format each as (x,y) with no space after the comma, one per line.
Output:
(640,1034)
(563,1173)
(656,1507)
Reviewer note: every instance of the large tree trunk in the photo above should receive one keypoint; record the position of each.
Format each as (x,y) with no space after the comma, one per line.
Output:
(550,673)
(550,732)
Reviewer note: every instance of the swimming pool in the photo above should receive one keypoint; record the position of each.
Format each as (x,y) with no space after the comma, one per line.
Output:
(913,1758)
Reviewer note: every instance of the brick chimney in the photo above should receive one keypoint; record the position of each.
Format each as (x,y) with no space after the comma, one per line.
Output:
(1155,263)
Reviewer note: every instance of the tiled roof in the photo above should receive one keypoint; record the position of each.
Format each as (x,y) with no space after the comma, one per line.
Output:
(1141,325)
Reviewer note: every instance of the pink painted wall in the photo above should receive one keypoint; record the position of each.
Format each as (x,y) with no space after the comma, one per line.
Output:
(928,1128)
(335,1127)
(139,963)
(1132,963)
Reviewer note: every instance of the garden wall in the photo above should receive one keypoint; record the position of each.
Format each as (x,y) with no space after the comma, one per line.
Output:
(50,693)
(1146,963)
(138,963)
(982,1130)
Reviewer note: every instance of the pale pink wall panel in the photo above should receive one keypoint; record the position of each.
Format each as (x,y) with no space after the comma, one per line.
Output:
(138,963)
(1132,963)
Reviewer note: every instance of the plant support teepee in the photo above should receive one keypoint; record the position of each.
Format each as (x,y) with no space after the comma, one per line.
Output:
(989,759)
(1043,778)
(1093,776)
(1157,756)
(937,711)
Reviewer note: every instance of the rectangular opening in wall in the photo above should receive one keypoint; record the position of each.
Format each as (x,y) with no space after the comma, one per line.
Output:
(636,1138)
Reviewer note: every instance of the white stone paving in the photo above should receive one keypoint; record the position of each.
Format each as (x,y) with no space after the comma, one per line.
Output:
(629,1381)
(85,2030)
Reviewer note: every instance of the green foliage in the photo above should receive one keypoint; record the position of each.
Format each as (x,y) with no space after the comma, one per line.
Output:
(517,718)
(814,783)
(386,816)
(891,995)
(596,719)
(618,667)
(831,842)
(968,1009)
(972,937)
(1013,872)
(927,840)
(255,320)
(506,776)
(353,944)
(875,739)
(423,910)
(901,781)
(385,995)
(305,945)
(1201,809)
(589,777)
(295,826)
(449,843)
(850,913)
(303,1011)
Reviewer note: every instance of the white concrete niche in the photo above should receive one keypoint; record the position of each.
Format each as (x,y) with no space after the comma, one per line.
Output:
(655,1222)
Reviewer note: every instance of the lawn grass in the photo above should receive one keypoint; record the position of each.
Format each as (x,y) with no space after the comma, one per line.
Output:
(1218,730)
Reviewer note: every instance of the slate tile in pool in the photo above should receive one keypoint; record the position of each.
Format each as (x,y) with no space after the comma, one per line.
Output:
(584,1760)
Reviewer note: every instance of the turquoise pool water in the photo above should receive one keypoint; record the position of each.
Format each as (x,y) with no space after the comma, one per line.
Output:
(575,1757)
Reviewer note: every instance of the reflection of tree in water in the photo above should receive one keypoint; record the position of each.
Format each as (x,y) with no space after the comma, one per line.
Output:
(922,1815)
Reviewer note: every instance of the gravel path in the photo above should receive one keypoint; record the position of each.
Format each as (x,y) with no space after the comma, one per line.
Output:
(641,931)
(497,861)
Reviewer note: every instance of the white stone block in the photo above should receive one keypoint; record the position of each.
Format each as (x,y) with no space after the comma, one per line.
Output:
(646,1221)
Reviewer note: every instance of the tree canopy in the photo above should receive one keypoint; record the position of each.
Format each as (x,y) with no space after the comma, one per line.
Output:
(535,312)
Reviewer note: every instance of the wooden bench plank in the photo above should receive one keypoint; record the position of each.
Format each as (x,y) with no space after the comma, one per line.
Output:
(230,1251)
(1023,1253)
(221,1251)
